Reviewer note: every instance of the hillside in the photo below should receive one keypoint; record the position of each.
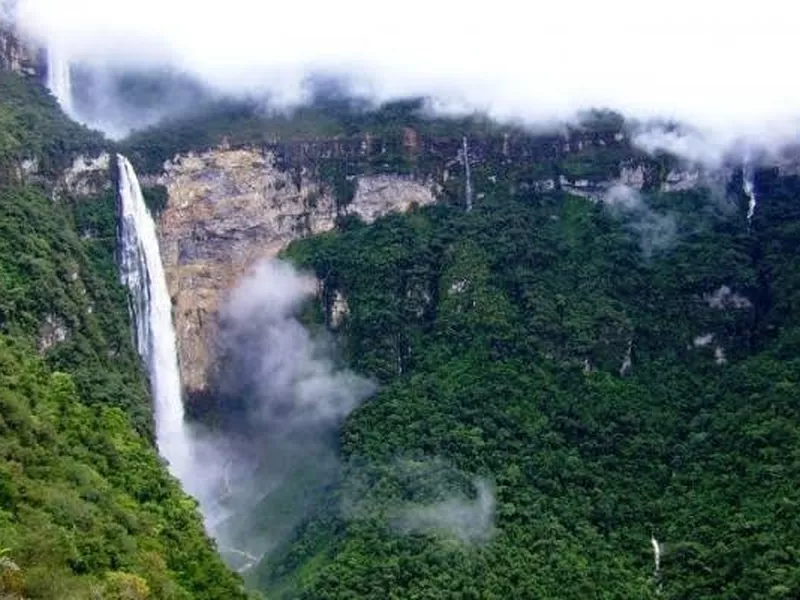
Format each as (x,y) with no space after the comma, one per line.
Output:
(587,383)
(87,508)
(585,359)
(604,396)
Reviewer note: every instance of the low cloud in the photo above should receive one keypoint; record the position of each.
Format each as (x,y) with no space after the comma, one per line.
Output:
(270,450)
(655,231)
(469,520)
(725,298)
(283,376)
(426,496)
(727,73)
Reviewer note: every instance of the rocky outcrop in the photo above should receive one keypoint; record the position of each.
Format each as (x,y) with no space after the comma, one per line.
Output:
(226,210)
(87,176)
(15,55)
(52,331)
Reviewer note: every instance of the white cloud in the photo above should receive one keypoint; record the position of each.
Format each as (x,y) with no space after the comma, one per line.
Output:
(722,68)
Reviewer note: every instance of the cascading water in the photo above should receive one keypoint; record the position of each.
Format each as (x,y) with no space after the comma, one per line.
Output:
(59,79)
(656,561)
(748,185)
(142,272)
(467,173)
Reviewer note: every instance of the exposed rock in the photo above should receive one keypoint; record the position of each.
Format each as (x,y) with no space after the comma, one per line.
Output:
(228,209)
(681,180)
(633,177)
(591,190)
(377,195)
(340,310)
(88,176)
(15,55)
(51,332)
(544,185)
(458,287)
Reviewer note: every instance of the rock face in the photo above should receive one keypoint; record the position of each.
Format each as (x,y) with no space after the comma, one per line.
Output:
(87,176)
(52,331)
(14,54)
(226,210)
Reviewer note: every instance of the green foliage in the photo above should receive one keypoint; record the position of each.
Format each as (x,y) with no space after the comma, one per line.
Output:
(498,337)
(343,124)
(156,198)
(86,502)
(55,283)
(87,508)
(33,127)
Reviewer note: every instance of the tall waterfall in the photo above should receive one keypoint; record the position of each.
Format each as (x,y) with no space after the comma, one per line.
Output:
(59,79)
(467,173)
(142,272)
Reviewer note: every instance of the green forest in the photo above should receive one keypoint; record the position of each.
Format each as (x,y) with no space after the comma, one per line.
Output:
(499,338)
(87,508)
(576,399)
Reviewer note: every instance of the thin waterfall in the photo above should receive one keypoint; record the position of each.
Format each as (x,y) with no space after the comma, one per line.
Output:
(467,173)
(748,185)
(656,561)
(142,273)
(59,78)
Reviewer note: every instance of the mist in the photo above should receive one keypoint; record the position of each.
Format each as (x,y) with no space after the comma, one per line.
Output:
(726,72)
(421,496)
(269,453)
(467,520)
(655,231)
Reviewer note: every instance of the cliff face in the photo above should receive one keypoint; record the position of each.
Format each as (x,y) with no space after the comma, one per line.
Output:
(226,210)
(15,55)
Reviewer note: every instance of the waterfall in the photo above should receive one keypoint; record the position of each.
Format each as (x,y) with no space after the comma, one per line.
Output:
(143,274)
(656,562)
(59,79)
(748,185)
(467,173)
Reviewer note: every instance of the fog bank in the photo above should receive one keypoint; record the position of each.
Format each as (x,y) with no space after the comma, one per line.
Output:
(724,70)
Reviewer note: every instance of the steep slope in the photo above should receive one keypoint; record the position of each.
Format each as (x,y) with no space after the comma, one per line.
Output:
(237,185)
(587,380)
(88,509)
(558,402)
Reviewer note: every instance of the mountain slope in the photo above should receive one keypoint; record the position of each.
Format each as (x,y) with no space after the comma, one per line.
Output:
(87,508)
(607,392)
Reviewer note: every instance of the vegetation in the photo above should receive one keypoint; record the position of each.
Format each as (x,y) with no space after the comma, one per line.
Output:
(372,138)
(87,508)
(554,400)
(500,339)
(33,128)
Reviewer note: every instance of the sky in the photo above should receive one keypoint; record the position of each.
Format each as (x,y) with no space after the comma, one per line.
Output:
(725,68)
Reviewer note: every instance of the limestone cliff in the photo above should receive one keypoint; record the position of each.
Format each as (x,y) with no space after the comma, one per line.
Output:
(16,55)
(225,210)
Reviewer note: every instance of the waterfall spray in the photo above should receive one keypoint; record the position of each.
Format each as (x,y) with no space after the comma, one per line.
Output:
(143,274)
(59,79)
(467,173)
